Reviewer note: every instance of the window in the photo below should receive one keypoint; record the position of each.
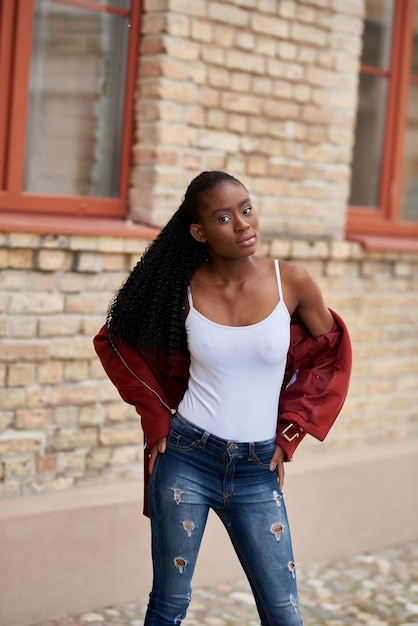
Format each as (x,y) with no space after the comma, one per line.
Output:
(67,69)
(384,189)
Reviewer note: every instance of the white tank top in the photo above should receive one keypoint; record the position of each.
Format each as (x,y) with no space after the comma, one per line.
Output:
(236,373)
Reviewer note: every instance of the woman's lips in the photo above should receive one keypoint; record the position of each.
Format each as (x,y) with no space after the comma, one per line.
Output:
(246,241)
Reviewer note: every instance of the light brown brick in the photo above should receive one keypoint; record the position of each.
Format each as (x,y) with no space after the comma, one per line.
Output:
(21,327)
(92,415)
(51,260)
(68,439)
(125,455)
(12,398)
(77,303)
(117,436)
(36,303)
(50,373)
(23,240)
(82,242)
(237,123)
(18,468)
(181,49)
(54,484)
(72,463)
(178,25)
(245,40)
(196,116)
(66,416)
(34,419)
(12,279)
(118,411)
(75,371)
(220,12)
(46,464)
(269,25)
(240,103)
(86,393)
(309,34)
(42,281)
(236,59)
(12,443)
(202,30)
(114,262)
(36,397)
(20,258)
(4,258)
(71,282)
(56,326)
(20,375)
(98,458)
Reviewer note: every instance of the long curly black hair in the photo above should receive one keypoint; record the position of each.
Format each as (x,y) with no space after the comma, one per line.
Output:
(148,311)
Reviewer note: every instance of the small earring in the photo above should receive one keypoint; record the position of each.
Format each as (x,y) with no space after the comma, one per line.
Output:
(203,240)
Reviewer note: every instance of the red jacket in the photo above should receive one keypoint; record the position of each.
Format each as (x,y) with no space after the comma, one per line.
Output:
(314,389)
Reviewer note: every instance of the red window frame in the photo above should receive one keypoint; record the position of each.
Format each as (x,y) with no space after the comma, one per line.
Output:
(16,19)
(374,225)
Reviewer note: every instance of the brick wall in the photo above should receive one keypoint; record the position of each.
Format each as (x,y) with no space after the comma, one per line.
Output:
(62,423)
(266,89)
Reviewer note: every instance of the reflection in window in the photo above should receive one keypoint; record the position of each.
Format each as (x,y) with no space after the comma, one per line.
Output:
(76,100)
(409,202)
(120,4)
(371,115)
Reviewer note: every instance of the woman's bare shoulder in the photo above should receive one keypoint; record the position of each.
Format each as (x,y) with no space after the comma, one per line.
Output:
(293,272)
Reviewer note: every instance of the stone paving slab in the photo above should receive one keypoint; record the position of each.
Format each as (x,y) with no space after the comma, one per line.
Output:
(379,589)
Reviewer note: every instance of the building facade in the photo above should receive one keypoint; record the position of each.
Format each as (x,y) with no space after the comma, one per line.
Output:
(111,109)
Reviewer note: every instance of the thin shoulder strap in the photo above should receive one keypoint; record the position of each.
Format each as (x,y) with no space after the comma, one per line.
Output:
(189,297)
(279,281)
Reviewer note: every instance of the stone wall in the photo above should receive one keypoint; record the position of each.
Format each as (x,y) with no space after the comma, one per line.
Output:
(62,423)
(265,89)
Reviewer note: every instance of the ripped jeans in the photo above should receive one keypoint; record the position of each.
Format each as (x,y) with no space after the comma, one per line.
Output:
(197,472)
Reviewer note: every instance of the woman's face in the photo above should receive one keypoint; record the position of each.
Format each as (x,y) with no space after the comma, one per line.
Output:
(229,223)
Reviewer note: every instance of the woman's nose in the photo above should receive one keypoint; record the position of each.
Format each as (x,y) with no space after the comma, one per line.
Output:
(241,223)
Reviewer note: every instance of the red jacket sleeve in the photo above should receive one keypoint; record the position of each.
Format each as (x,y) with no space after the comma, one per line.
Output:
(316,384)
(137,384)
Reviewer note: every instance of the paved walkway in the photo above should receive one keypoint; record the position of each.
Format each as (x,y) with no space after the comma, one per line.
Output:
(379,589)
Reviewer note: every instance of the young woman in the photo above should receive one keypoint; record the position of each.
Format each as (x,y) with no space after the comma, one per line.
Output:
(200,340)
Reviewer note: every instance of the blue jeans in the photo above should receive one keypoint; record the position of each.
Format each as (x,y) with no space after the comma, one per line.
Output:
(199,472)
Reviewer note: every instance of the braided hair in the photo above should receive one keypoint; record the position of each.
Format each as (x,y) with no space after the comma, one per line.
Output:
(148,311)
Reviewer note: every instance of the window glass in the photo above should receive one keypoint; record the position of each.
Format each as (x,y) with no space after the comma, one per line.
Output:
(368,149)
(120,4)
(76,100)
(371,114)
(409,202)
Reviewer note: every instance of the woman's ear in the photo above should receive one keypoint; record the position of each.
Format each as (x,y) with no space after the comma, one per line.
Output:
(197,232)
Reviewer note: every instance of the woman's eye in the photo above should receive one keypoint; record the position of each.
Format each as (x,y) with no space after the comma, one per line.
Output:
(247,210)
(224,218)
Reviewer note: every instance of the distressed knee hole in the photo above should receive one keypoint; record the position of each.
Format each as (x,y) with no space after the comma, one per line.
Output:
(277,497)
(188,527)
(180,563)
(277,529)
(292,568)
(293,603)
(177,495)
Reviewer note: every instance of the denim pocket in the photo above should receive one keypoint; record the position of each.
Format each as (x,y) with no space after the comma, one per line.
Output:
(178,440)
(263,457)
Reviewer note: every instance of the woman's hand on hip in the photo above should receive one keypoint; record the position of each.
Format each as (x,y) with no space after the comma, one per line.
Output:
(159,448)
(277,463)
